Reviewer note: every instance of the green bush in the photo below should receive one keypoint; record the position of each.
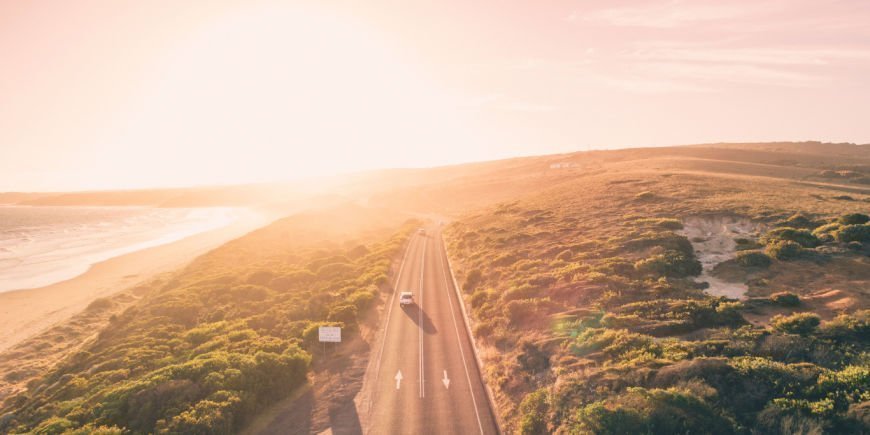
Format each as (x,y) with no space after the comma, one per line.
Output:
(533,413)
(753,259)
(54,426)
(346,314)
(854,219)
(670,263)
(797,323)
(785,250)
(848,327)
(803,237)
(292,280)
(210,348)
(472,280)
(652,411)
(524,291)
(785,299)
(799,220)
(533,358)
(853,233)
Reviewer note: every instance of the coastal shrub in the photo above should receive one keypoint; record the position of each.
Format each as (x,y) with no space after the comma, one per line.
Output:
(533,413)
(332,270)
(825,233)
(848,327)
(623,316)
(803,237)
(797,323)
(480,297)
(784,250)
(521,311)
(753,259)
(524,291)
(854,219)
(853,233)
(292,280)
(670,263)
(648,411)
(670,224)
(533,357)
(249,292)
(785,299)
(363,298)
(799,220)
(343,313)
(260,277)
(212,347)
(472,280)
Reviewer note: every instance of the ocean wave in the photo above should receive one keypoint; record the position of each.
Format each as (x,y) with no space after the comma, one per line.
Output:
(68,240)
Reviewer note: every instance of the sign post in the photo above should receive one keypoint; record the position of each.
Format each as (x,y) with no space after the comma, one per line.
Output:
(329,334)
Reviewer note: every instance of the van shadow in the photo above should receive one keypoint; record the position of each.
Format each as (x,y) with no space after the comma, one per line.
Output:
(420,318)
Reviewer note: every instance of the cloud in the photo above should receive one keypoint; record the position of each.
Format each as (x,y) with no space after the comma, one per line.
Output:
(672,13)
(809,56)
(716,63)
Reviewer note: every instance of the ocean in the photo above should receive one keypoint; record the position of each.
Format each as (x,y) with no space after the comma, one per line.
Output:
(44,245)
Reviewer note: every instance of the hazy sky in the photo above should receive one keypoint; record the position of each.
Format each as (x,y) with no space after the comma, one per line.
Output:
(119,94)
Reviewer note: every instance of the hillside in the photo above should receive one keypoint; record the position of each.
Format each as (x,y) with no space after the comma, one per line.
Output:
(599,300)
(206,350)
(717,288)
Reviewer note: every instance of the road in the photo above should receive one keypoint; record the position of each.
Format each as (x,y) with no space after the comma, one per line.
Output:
(426,377)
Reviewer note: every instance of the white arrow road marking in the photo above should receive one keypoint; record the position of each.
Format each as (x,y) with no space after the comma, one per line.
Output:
(446,381)
(398,379)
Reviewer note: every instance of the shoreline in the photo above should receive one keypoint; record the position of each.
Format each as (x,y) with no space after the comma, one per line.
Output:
(27,312)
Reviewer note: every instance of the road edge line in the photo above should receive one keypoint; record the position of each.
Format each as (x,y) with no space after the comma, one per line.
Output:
(420,323)
(459,343)
(474,348)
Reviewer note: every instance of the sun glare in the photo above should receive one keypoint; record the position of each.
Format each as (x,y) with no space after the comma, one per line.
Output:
(277,93)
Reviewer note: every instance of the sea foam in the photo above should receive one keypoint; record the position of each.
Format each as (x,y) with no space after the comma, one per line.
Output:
(44,245)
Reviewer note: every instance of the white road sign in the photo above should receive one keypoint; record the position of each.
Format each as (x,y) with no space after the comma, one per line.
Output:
(330,334)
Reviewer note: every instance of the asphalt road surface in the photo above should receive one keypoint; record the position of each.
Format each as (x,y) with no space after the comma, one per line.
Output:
(426,376)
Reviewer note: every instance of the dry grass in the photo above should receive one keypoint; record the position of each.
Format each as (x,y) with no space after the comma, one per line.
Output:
(572,250)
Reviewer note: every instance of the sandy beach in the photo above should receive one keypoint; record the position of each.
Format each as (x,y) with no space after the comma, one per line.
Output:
(25,313)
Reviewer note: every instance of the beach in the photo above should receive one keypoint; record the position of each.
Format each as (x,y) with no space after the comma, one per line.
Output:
(25,313)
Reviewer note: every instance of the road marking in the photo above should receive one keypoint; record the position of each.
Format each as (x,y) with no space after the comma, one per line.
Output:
(398,379)
(458,339)
(446,381)
(390,310)
(420,323)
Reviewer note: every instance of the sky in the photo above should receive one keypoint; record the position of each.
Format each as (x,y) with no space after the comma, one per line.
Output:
(122,94)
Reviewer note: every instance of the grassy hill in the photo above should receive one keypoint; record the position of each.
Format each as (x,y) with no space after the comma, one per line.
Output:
(207,350)
(719,288)
(590,296)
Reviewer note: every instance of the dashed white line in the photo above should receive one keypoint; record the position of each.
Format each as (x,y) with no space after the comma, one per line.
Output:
(420,323)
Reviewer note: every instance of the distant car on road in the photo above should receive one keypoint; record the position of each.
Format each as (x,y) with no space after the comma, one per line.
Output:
(406,298)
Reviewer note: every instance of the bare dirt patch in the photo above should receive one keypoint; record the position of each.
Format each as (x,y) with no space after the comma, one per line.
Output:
(714,240)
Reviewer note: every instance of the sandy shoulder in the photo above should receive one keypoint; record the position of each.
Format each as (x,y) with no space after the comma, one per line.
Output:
(25,313)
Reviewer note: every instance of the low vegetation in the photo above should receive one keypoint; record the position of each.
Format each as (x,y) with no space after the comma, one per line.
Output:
(209,349)
(587,300)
